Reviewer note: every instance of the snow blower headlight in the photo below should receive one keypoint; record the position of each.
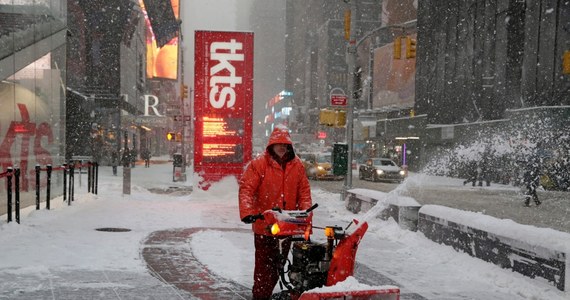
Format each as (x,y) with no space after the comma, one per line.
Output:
(275,229)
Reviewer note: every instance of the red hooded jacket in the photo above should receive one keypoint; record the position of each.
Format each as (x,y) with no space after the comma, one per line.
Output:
(266,185)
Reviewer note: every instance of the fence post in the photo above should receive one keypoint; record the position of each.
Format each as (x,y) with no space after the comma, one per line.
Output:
(17,192)
(89,177)
(96,176)
(48,186)
(37,187)
(72,183)
(64,182)
(9,192)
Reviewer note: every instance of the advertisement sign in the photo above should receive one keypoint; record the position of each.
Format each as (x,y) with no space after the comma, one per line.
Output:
(394,81)
(162,25)
(223,104)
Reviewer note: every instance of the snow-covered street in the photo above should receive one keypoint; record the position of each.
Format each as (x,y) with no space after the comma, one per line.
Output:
(63,240)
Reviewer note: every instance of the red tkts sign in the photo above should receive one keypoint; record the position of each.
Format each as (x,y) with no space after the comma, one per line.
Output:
(223,104)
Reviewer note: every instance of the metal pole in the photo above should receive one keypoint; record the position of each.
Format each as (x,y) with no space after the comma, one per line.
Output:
(350,61)
(9,193)
(48,190)
(17,193)
(37,187)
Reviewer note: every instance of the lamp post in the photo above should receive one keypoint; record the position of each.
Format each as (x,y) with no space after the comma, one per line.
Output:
(350,61)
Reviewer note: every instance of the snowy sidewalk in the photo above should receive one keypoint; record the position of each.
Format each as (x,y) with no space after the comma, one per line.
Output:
(169,257)
(184,245)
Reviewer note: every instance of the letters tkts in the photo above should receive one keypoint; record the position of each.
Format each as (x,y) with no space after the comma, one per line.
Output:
(25,129)
(219,78)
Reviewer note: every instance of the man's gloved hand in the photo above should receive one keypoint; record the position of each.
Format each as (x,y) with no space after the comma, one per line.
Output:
(248,219)
(251,218)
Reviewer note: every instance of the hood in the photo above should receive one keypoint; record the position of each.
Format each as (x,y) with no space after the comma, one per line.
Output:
(280,135)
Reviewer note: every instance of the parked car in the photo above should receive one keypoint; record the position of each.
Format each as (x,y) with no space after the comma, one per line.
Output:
(381,169)
(318,166)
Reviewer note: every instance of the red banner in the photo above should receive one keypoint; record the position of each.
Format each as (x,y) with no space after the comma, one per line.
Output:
(223,104)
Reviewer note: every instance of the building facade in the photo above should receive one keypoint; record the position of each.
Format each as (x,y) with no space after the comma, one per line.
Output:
(32,93)
(316,59)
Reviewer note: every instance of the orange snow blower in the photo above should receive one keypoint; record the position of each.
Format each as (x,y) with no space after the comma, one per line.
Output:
(320,270)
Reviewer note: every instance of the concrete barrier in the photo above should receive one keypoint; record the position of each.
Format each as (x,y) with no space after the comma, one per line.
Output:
(404,210)
(528,250)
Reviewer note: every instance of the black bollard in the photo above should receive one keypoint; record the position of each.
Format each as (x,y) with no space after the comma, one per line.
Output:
(89,177)
(37,187)
(9,181)
(49,168)
(96,176)
(17,192)
(71,184)
(64,182)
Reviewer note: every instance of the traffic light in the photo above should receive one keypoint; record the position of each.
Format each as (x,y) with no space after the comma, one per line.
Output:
(170,136)
(327,117)
(184,91)
(333,118)
(347,17)
(398,48)
(340,118)
(566,62)
(410,47)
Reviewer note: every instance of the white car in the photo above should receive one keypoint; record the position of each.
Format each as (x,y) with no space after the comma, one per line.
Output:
(377,169)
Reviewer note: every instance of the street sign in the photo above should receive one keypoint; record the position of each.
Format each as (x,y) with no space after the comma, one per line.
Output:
(338,100)
(182,118)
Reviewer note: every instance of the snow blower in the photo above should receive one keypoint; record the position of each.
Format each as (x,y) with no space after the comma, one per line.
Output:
(320,270)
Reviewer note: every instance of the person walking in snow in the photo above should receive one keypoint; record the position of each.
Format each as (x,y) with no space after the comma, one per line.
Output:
(114,161)
(146,156)
(532,181)
(275,179)
(472,173)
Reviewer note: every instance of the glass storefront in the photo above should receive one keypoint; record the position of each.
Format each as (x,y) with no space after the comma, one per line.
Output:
(32,93)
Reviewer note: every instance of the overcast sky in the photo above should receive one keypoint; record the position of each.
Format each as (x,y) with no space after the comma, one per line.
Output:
(268,26)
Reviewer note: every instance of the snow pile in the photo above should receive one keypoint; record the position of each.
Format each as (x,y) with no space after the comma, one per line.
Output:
(351,284)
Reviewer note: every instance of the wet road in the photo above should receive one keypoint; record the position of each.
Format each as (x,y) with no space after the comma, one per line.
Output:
(500,201)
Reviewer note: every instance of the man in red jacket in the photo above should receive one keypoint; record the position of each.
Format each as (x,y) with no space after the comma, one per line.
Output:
(275,179)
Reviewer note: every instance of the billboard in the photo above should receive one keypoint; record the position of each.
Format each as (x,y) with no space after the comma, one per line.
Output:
(162,37)
(394,79)
(223,104)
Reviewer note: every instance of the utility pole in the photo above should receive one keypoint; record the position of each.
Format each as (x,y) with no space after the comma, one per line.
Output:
(350,61)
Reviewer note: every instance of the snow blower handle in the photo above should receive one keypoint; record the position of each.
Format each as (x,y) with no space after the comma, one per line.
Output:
(312,207)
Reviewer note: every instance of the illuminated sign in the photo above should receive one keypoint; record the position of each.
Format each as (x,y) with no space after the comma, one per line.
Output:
(223,104)
(286,111)
(161,56)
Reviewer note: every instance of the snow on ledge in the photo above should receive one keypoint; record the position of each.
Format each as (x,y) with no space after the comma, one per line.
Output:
(532,235)
(389,198)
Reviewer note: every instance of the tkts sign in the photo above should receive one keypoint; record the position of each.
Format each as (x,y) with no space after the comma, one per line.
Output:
(223,104)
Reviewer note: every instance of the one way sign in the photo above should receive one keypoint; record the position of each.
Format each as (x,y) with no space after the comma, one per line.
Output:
(182,118)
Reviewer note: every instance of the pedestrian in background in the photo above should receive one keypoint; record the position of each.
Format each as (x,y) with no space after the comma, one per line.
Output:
(483,171)
(532,181)
(126,158)
(146,156)
(472,173)
(114,161)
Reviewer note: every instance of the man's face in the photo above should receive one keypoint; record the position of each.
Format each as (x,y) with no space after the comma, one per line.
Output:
(280,149)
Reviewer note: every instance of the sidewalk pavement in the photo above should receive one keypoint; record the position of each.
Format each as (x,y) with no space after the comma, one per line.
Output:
(173,273)
(171,262)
